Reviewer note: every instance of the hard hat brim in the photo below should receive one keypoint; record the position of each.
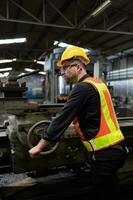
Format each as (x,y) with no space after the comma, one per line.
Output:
(59,63)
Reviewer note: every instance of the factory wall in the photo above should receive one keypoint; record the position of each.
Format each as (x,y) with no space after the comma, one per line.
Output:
(120,78)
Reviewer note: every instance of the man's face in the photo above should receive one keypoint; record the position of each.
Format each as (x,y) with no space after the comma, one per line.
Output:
(69,71)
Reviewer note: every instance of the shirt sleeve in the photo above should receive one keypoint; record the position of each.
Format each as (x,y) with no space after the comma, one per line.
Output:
(71,108)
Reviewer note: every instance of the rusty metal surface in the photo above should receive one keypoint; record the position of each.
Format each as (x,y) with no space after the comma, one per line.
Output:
(59,186)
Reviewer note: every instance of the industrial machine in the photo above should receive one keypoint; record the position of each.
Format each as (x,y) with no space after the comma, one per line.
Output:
(24,127)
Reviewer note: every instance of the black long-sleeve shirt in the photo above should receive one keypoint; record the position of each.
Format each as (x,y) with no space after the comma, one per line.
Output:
(84,103)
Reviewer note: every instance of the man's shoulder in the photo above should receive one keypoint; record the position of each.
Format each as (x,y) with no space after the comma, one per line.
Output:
(83,87)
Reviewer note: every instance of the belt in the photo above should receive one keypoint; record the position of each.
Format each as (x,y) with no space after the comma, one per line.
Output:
(121,147)
(118,146)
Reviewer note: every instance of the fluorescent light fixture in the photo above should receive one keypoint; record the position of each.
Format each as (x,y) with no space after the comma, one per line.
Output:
(2,75)
(29,69)
(56,42)
(14,59)
(40,62)
(63,44)
(12,41)
(42,73)
(5,61)
(101,8)
(5,69)
(21,74)
(87,50)
(112,57)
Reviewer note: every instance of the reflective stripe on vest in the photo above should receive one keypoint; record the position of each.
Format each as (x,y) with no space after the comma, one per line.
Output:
(109,132)
(104,141)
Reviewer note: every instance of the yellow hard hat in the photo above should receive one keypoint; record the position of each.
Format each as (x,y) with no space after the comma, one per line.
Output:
(71,52)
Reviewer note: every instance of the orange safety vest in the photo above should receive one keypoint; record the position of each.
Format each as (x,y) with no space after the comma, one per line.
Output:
(109,132)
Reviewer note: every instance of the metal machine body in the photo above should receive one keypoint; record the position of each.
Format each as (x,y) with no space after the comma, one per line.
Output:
(17,129)
(68,152)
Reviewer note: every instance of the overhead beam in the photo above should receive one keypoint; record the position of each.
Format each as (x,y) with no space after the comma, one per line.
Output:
(101,35)
(7,9)
(44,11)
(120,11)
(33,16)
(38,22)
(58,11)
(46,31)
(24,10)
(106,31)
(110,27)
(117,23)
(119,47)
(66,27)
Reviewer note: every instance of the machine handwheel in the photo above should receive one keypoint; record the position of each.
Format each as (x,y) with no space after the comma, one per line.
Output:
(35,133)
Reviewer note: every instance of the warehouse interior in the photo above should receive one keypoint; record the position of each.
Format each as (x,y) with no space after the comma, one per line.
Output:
(33,36)
(44,25)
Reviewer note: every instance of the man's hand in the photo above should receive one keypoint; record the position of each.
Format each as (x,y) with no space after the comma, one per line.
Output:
(35,151)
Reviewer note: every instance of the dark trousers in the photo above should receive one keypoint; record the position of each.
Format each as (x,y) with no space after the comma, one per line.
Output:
(104,166)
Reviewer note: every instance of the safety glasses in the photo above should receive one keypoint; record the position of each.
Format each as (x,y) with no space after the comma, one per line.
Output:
(65,67)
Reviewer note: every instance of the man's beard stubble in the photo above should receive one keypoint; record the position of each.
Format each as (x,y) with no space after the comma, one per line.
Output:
(72,80)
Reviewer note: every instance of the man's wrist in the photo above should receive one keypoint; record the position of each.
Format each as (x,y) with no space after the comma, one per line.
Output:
(42,143)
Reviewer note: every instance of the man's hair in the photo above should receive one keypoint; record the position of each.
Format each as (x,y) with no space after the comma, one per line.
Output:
(79,61)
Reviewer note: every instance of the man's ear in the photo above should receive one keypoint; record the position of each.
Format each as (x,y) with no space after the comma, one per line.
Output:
(79,68)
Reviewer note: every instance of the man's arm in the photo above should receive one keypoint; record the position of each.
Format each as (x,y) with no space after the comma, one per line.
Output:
(71,108)
(63,119)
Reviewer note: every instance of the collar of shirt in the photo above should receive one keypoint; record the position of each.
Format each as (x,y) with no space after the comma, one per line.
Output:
(83,77)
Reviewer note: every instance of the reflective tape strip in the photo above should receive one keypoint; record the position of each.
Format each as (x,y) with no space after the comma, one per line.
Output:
(100,87)
(104,87)
(104,141)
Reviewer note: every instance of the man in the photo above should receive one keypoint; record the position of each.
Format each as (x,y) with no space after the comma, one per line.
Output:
(89,106)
